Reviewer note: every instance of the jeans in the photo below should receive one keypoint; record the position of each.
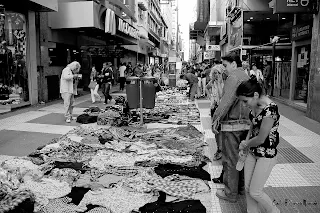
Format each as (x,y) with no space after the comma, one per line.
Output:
(193,91)
(204,84)
(106,92)
(257,171)
(94,92)
(232,178)
(122,81)
(68,102)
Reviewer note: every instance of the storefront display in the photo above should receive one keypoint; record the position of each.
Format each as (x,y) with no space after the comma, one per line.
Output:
(302,76)
(13,50)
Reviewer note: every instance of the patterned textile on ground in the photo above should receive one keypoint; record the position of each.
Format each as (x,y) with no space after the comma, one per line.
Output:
(103,168)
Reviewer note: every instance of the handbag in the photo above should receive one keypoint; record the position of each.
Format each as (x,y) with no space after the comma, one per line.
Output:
(92,85)
(235,125)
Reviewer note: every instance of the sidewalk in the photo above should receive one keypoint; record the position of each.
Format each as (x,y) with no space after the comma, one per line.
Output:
(23,130)
(294,183)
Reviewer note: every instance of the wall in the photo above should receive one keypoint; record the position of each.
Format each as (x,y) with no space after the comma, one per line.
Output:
(313,105)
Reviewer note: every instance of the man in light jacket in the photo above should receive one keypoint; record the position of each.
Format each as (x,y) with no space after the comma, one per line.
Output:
(229,111)
(68,87)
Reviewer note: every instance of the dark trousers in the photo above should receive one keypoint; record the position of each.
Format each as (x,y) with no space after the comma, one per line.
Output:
(122,81)
(106,92)
(232,178)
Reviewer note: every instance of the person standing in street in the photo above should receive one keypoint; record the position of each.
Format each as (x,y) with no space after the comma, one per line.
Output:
(260,145)
(267,77)
(193,83)
(68,87)
(256,72)
(106,78)
(228,119)
(94,86)
(122,75)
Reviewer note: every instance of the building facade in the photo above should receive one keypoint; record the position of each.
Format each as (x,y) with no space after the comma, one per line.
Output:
(285,35)
(19,64)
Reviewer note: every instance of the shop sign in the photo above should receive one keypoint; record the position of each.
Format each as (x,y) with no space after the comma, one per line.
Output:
(293,6)
(208,55)
(301,32)
(213,47)
(235,33)
(126,28)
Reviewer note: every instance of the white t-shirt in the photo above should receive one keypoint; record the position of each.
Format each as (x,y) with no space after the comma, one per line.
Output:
(121,70)
(258,74)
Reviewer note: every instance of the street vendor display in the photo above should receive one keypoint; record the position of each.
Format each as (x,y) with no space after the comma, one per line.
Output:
(106,167)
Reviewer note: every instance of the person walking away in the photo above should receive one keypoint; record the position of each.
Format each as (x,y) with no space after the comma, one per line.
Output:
(106,78)
(122,77)
(267,77)
(193,82)
(68,87)
(94,86)
(261,145)
(204,75)
(214,91)
(230,118)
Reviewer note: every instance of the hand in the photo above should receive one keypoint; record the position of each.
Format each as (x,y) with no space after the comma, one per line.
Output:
(243,145)
(215,126)
(107,74)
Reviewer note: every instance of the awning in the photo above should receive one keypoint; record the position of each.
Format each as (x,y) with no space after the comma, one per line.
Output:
(126,10)
(34,5)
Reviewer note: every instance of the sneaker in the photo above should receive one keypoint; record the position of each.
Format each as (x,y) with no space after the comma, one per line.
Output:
(68,120)
(222,195)
(217,156)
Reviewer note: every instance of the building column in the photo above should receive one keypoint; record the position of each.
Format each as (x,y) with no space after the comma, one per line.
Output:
(32,58)
(313,105)
(294,59)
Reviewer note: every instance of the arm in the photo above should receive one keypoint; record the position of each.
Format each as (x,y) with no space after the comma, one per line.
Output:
(67,74)
(227,99)
(208,87)
(266,126)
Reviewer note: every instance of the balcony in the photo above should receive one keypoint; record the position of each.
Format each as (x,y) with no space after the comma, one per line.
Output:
(143,5)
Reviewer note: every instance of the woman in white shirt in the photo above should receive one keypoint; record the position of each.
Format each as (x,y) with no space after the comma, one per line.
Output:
(255,71)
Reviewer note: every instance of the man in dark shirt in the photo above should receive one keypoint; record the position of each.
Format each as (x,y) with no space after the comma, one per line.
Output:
(228,112)
(106,79)
(193,82)
(267,77)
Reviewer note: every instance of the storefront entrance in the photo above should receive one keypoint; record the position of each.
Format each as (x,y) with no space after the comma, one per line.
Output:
(13,50)
(302,74)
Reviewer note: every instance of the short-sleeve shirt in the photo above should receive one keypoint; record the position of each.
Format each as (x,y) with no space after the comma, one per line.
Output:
(269,148)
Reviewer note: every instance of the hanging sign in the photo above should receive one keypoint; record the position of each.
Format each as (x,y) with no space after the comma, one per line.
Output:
(294,6)
(301,32)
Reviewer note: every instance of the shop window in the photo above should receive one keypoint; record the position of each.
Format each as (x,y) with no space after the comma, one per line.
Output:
(302,75)
(63,55)
(13,50)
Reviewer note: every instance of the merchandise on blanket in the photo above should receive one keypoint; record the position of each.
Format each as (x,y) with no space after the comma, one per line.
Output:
(118,200)
(17,202)
(105,181)
(108,117)
(66,174)
(152,158)
(120,100)
(45,189)
(93,111)
(22,166)
(86,119)
(160,206)
(109,157)
(193,172)
(174,185)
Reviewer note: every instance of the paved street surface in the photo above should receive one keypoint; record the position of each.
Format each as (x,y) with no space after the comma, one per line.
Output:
(294,184)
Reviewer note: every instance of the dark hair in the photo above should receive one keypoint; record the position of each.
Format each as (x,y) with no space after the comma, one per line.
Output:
(232,57)
(216,62)
(181,76)
(249,87)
